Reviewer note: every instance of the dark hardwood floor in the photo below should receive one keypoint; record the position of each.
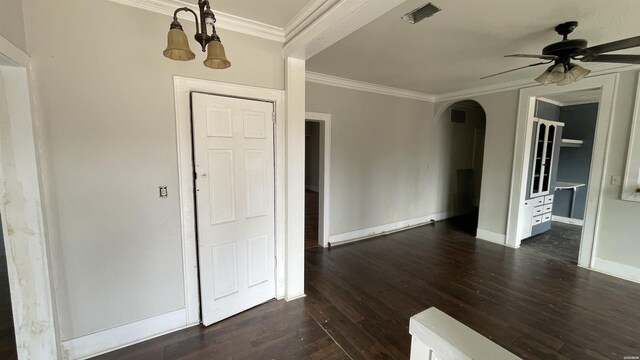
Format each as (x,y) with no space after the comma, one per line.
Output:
(562,242)
(311,218)
(360,297)
(7,334)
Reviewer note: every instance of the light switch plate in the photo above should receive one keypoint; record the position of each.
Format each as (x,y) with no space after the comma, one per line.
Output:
(163,192)
(616,180)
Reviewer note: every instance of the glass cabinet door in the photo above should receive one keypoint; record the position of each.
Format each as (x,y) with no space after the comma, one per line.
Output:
(548,156)
(543,149)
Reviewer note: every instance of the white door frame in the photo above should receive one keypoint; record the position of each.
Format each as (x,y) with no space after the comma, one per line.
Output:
(183,86)
(325,174)
(28,261)
(607,85)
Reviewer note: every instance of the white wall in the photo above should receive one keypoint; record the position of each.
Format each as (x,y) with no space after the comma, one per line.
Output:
(618,228)
(478,160)
(12,23)
(105,94)
(386,157)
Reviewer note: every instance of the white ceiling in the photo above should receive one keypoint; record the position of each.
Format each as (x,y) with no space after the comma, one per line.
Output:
(467,40)
(272,12)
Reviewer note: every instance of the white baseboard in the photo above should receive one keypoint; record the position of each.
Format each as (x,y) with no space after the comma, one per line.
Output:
(312,188)
(490,236)
(374,231)
(125,335)
(566,220)
(616,269)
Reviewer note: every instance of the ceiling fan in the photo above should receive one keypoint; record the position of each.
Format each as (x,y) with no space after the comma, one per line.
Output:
(563,72)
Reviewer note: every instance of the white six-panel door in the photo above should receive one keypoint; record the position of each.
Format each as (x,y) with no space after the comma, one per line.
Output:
(234,170)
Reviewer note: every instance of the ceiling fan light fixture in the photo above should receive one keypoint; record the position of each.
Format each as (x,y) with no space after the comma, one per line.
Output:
(568,79)
(578,72)
(562,52)
(543,79)
(556,74)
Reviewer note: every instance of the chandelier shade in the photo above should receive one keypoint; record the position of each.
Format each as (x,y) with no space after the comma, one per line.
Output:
(178,44)
(216,57)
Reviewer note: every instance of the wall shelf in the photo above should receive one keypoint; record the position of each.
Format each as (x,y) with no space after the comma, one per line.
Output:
(571,143)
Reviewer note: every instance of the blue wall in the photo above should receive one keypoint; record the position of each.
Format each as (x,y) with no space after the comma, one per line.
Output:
(547,111)
(575,163)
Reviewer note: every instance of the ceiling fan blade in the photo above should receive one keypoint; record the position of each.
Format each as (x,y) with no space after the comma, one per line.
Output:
(521,67)
(623,59)
(543,57)
(612,46)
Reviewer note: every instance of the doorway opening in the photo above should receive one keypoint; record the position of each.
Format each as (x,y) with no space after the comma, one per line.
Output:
(7,332)
(312,183)
(532,203)
(317,179)
(464,125)
(556,226)
(183,88)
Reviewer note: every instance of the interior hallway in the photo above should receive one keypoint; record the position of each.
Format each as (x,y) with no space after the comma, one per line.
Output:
(360,297)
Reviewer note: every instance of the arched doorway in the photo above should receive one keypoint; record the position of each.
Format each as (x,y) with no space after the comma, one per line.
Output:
(464,124)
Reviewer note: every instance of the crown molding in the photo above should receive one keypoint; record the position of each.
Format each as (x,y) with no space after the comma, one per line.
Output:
(454,95)
(307,16)
(330,80)
(483,90)
(223,20)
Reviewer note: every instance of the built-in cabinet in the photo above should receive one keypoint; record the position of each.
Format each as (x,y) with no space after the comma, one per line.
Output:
(544,153)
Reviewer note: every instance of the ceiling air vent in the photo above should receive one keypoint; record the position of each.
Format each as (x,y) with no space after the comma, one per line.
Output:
(421,13)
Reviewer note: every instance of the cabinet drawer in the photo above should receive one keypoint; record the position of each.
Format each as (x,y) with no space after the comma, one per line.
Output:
(547,208)
(546,217)
(538,201)
(536,220)
(548,199)
(538,210)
